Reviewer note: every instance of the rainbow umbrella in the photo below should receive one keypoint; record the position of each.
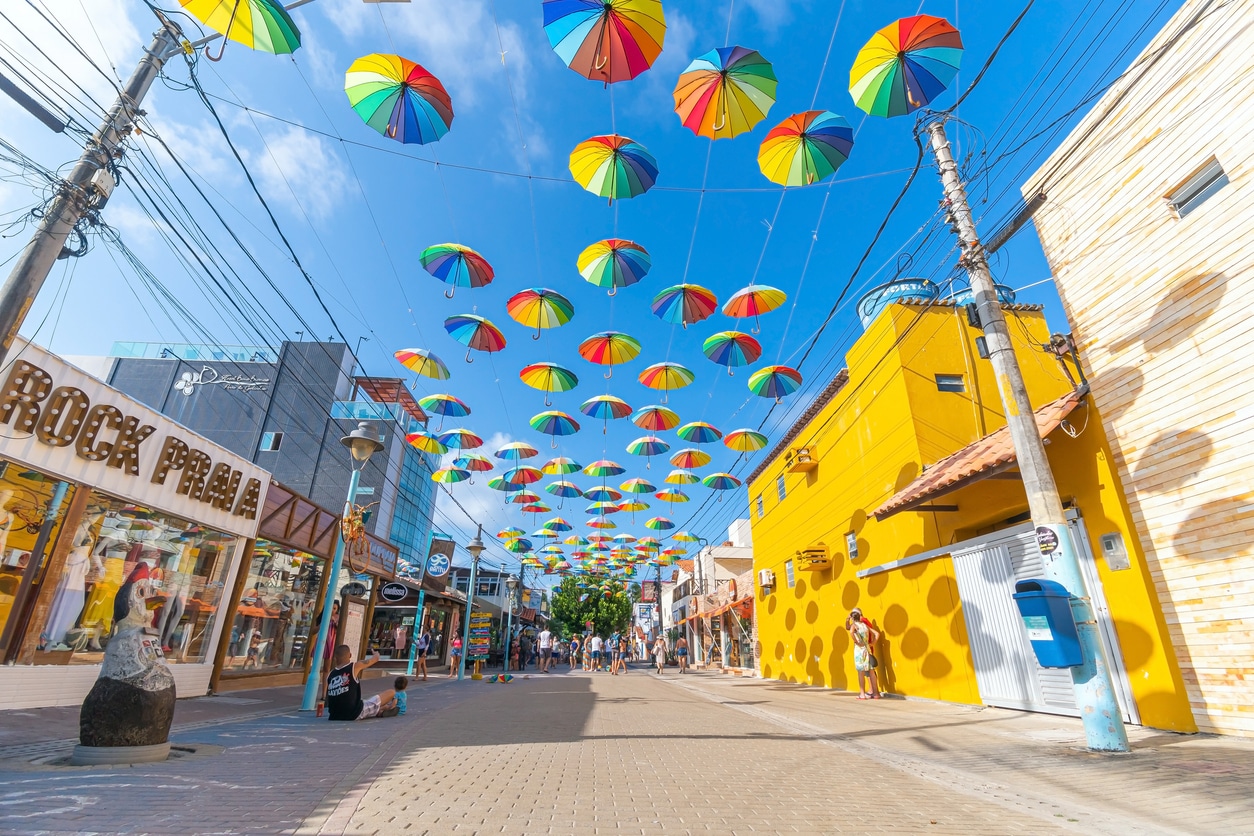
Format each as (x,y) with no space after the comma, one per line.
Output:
(606,40)
(474,462)
(732,348)
(475,332)
(746,441)
(655,418)
(563,489)
(500,483)
(609,348)
(721,482)
(558,524)
(554,423)
(624,538)
(775,382)
(523,475)
(602,508)
(516,451)
(561,465)
(690,457)
(648,446)
(524,497)
(637,486)
(426,442)
(699,432)
(536,508)
(599,538)
(682,477)
(576,540)
(423,362)
(605,407)
(905,65)
(603,523)
(753,301)
(263,25)
(725,92)
(509,533)
(551,548)
(518,545)
(456,265)
(604,467)
(399,98)
(563,566)
(603,493)
(548,377)
(450,475)
(666,377)
(444,406)
(538,308)
(659,524)
(613,167)
(685,537)
(460,439)
(649,542)
(805,148)
(672,495)
(674,552)
(614,263)
(684,304)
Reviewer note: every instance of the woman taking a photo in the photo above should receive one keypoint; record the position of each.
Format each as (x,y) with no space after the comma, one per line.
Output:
(864,638)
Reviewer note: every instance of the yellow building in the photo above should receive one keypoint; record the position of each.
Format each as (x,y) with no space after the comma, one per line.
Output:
(898,488)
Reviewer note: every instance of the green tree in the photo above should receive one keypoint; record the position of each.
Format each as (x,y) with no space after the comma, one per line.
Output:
(572,608)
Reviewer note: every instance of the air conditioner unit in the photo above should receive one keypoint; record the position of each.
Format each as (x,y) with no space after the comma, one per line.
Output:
(800,460)
(766,579)
(813,559)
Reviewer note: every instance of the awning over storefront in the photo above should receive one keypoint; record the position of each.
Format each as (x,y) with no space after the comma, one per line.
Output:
(992,454)
(740,605)
(292,520)
(527,615)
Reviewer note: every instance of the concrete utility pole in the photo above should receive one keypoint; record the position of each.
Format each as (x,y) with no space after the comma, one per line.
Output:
(87,188)
(1094,688)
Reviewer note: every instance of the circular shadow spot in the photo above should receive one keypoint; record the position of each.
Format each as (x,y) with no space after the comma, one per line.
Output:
(876,584)
(850,594)
(941,599)
(812,612)
(799,652)
(779,650)
(896,620)
(936,665)
(914,643)
(801,588)
(771,604)
(790,619)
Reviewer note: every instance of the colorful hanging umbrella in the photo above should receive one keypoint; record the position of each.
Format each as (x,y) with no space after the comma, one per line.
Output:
(603,523)
(732,348)
(672,495)
(905,65)
(602,508)
(659,524)
(555,423)
(775,382)
(666,377)
(638,486)
(561,465)
(606,40)
(399,98)
(725,92)
(624,538)
(558,524)
(685,537)
(655,418)
(423,362)
(516,451)
(614,263)
(475,332)
(753,301)
(564,489)
(500,483)
(604,467)
(548,377)
(648,446)
(524,497)
(456,265)
(536,508)
(605,407)
(576,540)
(518,545)
(699,432)
(509,533)
(474,462)
(684,304)
(523,475)
(263,25)
(805,148)
(538,308)
(682,477)
(460,439)
(690,457)
(613,167)
(445,406)
(450,475)
(426,442)
(746,441)
(609,348)
(603,493)
(721,482)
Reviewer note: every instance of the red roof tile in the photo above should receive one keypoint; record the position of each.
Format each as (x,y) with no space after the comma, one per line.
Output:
(992,453)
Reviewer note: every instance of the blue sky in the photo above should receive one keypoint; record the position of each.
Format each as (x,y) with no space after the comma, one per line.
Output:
(359,208)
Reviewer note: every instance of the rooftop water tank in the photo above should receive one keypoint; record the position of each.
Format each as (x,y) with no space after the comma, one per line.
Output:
(898,290)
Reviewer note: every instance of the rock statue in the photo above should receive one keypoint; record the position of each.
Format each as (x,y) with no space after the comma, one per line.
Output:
(126,716)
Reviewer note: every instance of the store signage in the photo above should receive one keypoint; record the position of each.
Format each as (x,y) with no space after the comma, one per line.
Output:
(188,381)
(480,635)
(59,414)
(393,592)
(356,589)
(437,566)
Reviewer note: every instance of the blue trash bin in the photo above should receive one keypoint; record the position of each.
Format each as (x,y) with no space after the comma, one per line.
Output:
(1046,610)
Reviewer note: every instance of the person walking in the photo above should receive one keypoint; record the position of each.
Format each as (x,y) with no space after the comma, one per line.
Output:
(864,637)
(597,644)
(659,653)
(545,641)
(455,655)
(681,653)
(424,647)
(575,646)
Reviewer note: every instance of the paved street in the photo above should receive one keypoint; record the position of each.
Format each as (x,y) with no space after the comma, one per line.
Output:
(576,753)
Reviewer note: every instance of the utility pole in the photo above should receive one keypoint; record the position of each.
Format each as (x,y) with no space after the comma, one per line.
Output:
(86,189)
(1094,688)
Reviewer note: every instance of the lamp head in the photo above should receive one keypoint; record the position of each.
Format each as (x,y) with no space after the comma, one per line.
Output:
(362,442)
(476,546)
(511,583)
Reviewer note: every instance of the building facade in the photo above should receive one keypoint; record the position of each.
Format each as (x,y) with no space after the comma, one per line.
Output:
(1147,228)
(897,493)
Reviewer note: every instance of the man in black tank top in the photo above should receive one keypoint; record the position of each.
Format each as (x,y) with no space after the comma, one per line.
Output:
(344,700)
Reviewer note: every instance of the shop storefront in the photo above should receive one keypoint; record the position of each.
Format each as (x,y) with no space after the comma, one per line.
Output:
(364,573)
(98,491)
(278,594)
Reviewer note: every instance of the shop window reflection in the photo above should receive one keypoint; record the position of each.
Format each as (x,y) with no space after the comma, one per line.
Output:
(32,508)
(272,625)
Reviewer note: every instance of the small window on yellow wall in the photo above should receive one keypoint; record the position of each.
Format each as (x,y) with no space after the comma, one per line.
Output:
(758,504)
(788,574)
(950,383)
(780,490)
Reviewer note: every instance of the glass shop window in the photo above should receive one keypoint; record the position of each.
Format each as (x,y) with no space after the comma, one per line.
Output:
(275,616)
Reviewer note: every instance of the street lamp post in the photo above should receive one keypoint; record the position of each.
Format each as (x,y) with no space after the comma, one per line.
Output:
(418,612)
(511,587)
(475,547)
(362,443)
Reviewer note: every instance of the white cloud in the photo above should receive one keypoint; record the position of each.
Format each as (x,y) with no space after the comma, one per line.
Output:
(771,14)
(300,169)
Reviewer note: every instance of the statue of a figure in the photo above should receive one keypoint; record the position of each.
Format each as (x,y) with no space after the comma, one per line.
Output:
(132,703)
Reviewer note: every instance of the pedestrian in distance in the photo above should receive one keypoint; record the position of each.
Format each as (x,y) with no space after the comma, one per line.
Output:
(575,646)
(623,647)
(455,656)
(596,643)
(864,638)
(545,642)
(343,694)
(681,653)
(424,647)
(659,654)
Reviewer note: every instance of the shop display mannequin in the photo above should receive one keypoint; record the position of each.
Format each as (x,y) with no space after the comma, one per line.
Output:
(70,596)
